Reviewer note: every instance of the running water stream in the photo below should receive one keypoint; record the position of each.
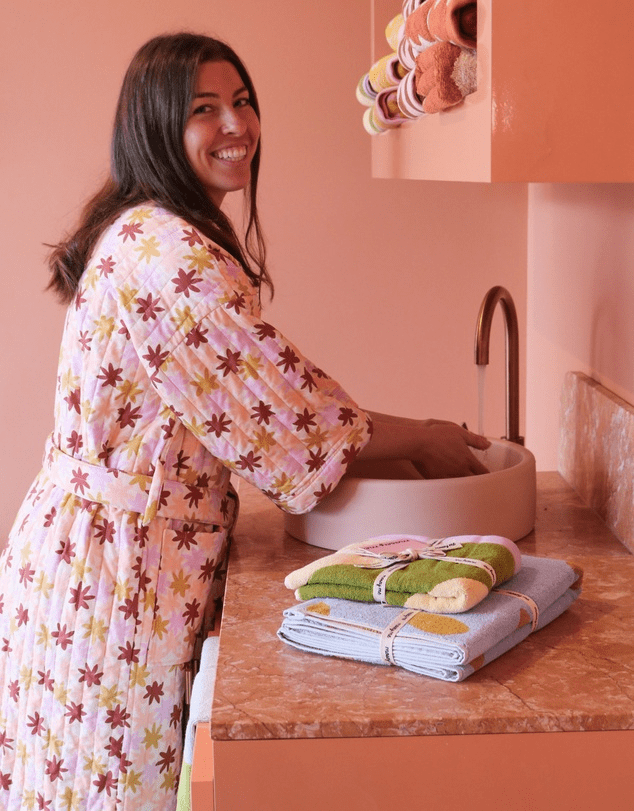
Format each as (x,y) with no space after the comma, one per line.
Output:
(481,381)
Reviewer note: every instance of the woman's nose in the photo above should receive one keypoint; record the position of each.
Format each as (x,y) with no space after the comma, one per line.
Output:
(232,123)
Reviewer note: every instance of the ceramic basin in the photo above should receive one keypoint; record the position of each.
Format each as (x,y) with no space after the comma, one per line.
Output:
(389,496)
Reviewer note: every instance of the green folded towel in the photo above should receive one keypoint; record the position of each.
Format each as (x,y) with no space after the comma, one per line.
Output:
(443,575)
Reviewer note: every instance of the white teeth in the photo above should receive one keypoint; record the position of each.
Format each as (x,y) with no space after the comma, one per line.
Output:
(234,153)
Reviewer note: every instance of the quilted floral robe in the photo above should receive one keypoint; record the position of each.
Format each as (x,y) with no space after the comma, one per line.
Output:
(168,381)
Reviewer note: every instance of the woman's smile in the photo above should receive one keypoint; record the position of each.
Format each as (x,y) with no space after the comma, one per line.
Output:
(232,154)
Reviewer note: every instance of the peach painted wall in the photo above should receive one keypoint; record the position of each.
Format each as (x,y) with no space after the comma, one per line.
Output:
(580,299)
(378,281)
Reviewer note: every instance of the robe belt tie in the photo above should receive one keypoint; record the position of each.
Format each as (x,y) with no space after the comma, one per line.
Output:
(150,496)
(391,562)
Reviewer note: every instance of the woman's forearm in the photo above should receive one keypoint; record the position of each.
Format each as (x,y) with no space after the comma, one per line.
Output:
(392,437)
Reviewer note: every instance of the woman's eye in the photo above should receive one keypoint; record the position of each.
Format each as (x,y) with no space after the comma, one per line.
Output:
(204,108)
(243,102)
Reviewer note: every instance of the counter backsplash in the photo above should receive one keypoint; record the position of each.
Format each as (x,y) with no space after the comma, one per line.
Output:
(596,451)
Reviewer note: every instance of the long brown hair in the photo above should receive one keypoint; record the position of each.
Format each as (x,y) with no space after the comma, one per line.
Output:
(148,161)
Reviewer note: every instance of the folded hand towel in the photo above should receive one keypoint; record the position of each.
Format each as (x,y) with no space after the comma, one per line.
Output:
(452,21)
(386,72)
(465,72)
(394,31)
(410,42)
(408,50)
(441,646)
(409,102)
(434,77)
(365,93)
(409,6)
(385,113)
(447,575)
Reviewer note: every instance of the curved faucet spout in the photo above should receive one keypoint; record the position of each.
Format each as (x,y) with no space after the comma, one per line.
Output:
(483,332)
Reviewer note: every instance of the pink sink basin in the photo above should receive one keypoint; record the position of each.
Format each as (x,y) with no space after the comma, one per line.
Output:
(386,497)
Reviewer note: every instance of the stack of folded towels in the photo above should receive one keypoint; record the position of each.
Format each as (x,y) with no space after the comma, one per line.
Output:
(431,65)
(393,600)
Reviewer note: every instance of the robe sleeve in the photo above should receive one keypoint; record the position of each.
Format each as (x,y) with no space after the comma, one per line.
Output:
(244,390)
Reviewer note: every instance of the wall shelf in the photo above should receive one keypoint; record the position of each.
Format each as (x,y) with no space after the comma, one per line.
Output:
(554,100)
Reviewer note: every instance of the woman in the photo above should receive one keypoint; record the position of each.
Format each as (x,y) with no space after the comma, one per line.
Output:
(169,380)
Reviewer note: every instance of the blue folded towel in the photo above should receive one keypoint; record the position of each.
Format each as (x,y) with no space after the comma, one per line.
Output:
(444,646)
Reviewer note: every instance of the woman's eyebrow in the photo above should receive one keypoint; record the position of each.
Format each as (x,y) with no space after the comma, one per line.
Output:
(209,94)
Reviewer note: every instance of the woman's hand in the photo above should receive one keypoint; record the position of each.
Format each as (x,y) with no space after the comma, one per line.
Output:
(438,449)
(445,451)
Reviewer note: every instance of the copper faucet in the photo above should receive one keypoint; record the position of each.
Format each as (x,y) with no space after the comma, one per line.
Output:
(483,332)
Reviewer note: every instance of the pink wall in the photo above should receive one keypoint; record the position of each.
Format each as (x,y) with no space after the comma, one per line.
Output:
(378,281)
(580,299)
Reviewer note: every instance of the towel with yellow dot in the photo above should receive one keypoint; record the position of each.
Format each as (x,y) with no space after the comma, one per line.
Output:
(442,646)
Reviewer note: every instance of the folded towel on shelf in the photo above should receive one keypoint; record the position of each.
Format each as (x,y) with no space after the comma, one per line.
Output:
(409,6)
(408,50)
(410,42)
(386,72)
(365,93)
(465,72)
(376,90)
(409,102)
(445,74)
(442,575)
(441,646)
(453,21)
(394,31)
(385,113)
(433,63)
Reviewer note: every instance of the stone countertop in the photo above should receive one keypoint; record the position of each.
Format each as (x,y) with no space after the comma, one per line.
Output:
(575,674)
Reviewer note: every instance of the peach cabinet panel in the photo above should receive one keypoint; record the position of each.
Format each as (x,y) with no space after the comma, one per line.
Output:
(202,775)
(580,770)
(554,100)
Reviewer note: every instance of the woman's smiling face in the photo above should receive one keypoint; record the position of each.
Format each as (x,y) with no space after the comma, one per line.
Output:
(222,131)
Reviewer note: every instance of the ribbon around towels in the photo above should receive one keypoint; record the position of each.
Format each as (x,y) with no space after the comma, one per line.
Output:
(437,548)
(393,628)
(393,561)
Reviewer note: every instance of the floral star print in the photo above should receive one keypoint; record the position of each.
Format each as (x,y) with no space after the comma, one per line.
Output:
(169,383)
